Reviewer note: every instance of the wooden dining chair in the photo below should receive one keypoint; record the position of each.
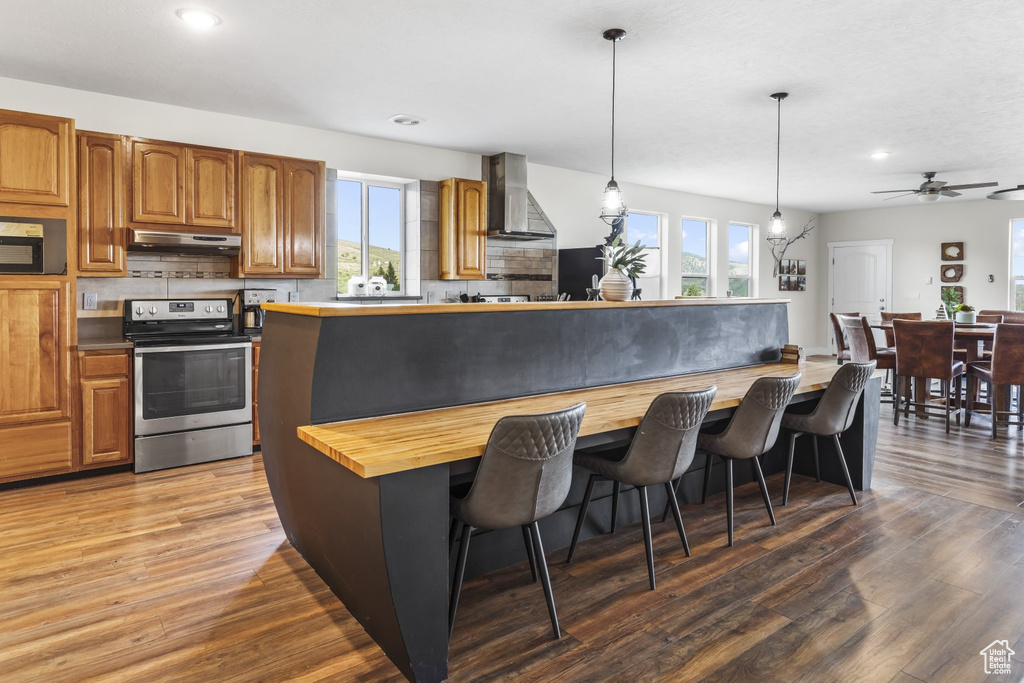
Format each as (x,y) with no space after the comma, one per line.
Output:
(924,351)
(864,350)
(888,317)
(842,351)
(1003,374)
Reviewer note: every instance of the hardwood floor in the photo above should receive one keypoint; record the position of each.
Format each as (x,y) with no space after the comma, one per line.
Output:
(186,575)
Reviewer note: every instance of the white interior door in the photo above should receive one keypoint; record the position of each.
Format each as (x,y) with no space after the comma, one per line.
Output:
(860,279)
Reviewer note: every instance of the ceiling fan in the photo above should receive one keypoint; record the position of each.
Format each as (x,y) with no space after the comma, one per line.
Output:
(931,190)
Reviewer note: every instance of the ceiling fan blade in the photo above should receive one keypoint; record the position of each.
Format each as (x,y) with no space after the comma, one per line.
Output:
(971,186)
(899,195)
(933,185)
(949,193)
(890,191)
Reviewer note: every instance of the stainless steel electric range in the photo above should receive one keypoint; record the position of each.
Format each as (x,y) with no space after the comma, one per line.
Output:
(193,382)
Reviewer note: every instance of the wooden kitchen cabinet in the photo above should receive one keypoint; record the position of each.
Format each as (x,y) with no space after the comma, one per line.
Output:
(107,408)
(462,229)
(35,415)
(35,158)
(175,184)
(282,207)
(255,384)
(102,204)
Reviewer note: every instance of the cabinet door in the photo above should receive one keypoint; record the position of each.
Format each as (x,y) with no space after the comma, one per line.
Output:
(471,229)
(262,215)
(106,421)
(35,158)
(158,183)
(33,345)
(304,217)
(101,204)
(210,188)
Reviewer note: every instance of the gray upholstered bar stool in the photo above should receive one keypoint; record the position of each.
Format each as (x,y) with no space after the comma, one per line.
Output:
(831,417)
(524,475)
(660,452)
(751,432)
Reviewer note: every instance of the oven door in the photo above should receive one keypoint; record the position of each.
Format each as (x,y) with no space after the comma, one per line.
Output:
(179,388)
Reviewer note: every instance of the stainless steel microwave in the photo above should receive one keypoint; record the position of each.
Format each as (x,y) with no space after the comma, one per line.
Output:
(21,254)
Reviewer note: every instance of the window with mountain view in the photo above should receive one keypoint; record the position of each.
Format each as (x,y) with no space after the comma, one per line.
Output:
(694,262)
(370,235)
(1017,264)
(741,239)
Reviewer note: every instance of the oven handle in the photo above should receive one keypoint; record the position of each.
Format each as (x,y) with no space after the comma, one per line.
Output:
(192,347)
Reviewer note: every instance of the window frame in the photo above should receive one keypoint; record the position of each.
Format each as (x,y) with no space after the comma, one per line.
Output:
(654,254)
(364,232)
(752,255)
(1014,278)
(709,264)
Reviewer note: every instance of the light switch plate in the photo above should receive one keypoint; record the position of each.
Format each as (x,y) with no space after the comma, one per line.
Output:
(293,296)
(89,301)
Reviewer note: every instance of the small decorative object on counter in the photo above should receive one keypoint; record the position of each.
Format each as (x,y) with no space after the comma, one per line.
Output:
(965,314)
(357,285)
(793,354)
(377,286)
(624,263)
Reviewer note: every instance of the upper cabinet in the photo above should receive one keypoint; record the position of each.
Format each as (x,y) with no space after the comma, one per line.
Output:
(35,158)
(463,229)
(102,209)
(282,216)
(174,184)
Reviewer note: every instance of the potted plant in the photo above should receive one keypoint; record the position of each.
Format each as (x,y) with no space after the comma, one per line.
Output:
(965,314)
(950,300)
(625,263)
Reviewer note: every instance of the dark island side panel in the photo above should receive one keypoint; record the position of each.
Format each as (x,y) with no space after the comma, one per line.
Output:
(376,365)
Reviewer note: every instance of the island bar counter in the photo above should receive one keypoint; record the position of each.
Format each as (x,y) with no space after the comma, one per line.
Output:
(380,542)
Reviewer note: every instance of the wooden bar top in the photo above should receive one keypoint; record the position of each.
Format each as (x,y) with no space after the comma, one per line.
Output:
(376,446)
(335,309)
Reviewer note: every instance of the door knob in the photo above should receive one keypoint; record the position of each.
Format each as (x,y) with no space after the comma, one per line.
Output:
(881,308)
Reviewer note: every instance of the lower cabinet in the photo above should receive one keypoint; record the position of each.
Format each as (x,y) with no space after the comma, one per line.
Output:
(255,384)
(106,408)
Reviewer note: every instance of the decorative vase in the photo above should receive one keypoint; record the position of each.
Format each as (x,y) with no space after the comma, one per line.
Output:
(967,317)
(616,286)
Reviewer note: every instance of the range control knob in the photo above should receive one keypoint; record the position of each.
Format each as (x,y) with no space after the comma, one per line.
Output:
(153,310)
(209,309)
(140,310)
(220,309)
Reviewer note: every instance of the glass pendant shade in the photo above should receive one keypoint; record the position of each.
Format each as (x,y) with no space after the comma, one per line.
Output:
(777,226)
(928,197)
(612,206)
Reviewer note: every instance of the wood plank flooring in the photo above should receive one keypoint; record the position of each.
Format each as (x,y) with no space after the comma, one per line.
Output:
(186,575)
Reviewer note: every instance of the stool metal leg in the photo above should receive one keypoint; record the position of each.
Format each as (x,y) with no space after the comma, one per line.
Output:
(583,515)
(645,519)
(817,462)
(460,573)
(542,565)
(759,475)
(615,504)
(789,467)
(529,552)
(673,504)
(707,479)
(728,494)
(846,470)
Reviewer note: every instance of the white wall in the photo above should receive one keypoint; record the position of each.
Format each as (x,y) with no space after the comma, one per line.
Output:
(570,198)
(918,230)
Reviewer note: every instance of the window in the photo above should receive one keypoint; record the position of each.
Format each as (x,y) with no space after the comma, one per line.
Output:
(641,226)
(694,261)
(1017,264)
(370,232)
(741,239)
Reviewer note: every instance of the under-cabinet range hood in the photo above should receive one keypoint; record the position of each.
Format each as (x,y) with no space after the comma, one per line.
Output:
(189,243)
(507,199)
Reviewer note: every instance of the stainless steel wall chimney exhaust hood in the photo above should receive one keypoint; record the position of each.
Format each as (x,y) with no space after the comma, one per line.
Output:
(188,243)
(507,199)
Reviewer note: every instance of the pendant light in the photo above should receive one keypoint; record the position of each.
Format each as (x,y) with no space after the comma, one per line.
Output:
(613,209)
(777,225)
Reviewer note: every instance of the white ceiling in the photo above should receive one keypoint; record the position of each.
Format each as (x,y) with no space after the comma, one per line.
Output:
(938,84)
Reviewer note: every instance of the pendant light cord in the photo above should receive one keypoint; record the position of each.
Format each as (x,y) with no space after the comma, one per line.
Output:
(613,108)
(778,151)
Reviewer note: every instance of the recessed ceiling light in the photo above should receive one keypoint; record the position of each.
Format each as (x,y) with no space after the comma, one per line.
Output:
(198,18)
(879,155)
(406,120)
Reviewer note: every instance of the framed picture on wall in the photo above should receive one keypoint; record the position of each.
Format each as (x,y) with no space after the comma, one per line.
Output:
(801,267)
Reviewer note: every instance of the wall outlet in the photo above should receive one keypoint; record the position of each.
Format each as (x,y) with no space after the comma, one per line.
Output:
(293,296)
(89,301)
(914,296)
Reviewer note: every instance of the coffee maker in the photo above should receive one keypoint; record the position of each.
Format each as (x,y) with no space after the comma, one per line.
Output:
(252,314)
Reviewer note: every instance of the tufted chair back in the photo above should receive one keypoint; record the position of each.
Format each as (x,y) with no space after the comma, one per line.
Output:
(754,426)
(835,411)
(525,471)
(664,444)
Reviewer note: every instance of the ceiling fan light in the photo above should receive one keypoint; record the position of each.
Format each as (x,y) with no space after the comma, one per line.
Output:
(1016,193)
(928,196)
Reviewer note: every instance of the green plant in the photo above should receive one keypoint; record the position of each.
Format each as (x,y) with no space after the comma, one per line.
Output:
(629,259)
(950,299)
(963,308)
(693,290)
(386,270)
